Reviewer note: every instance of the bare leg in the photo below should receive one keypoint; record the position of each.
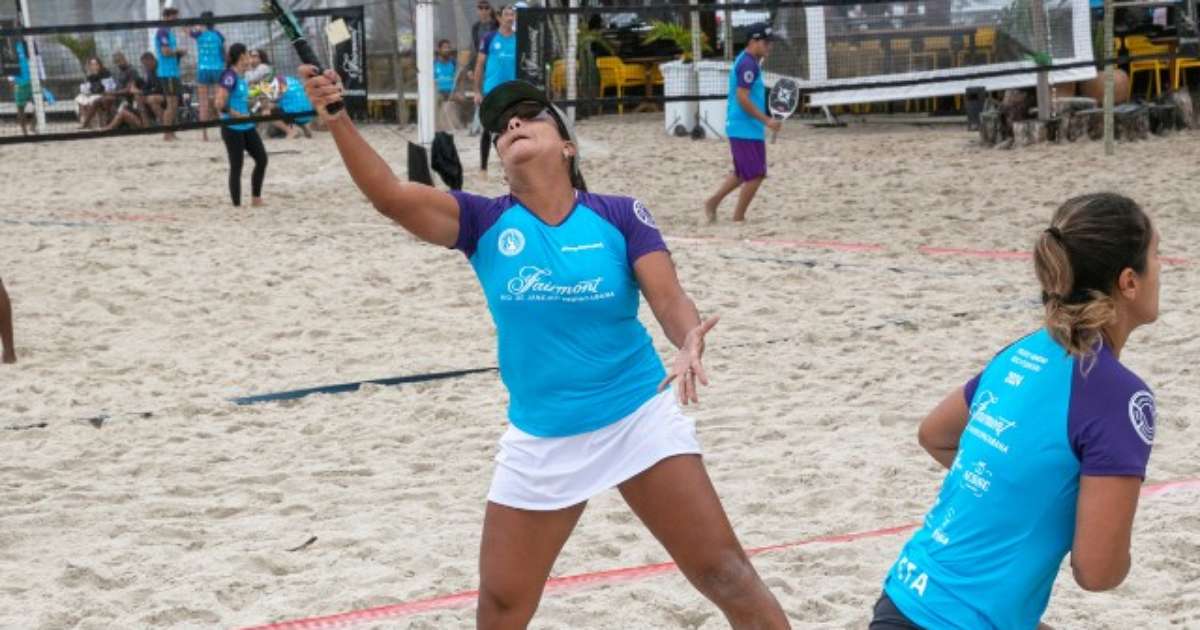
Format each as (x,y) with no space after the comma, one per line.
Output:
(169,115)
(745,196)
(202,94)
(307,133)
(676,500)
(517,552)
(156,102)
(85,115)
(730,183)
(6,328)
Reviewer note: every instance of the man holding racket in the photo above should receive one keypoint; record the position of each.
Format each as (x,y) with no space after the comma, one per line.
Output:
(745,124)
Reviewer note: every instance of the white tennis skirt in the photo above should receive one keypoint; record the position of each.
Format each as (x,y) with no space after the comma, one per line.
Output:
(538,473)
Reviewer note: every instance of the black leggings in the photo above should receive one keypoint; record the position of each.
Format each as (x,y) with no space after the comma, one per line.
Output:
(485,147)
(888,617)
(237,144)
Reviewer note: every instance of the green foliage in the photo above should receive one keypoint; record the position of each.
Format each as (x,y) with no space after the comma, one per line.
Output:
(677,34)
(83,48)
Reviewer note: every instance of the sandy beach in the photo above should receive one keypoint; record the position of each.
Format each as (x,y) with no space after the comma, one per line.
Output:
(142,295)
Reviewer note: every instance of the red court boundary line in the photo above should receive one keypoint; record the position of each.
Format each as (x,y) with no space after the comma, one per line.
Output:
(819,244)
(611,576)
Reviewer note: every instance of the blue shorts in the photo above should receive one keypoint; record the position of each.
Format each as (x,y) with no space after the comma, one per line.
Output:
(208,77)
(749,158)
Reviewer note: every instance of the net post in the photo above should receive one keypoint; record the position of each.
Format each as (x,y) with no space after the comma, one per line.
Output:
(397,74)
(696,52)
(426,95)
(572,66)
(1108,78)
(35,71)
(1041,38)
(152,13)
(728,32)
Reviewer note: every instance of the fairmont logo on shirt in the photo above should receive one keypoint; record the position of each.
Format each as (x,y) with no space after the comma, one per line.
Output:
(533,279)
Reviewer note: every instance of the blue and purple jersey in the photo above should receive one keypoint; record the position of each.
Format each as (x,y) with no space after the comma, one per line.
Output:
(238,98)
(168,65)
(501,63)
(564,299)
(991,547)
(210,50)
(738,122)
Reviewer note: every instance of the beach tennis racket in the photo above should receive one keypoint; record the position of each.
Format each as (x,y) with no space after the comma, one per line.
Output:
(291,28)
(783,101)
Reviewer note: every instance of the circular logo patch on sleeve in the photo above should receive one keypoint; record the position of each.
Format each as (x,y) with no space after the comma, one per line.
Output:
(643,214)
(748,76)
(1141,415)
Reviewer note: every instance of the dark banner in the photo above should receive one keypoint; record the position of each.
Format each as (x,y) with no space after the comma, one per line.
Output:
(350,60)
(532,38)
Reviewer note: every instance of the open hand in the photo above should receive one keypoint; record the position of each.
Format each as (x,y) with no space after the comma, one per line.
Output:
(687,366)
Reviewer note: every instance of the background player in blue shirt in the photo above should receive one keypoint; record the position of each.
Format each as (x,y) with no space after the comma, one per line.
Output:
(210,63)
(745,122)
(168,54)
(445,70)
(563,270)
(496,64)
(1047,447)
(233,101)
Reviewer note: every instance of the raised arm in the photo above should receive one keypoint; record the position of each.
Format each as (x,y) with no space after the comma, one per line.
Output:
(426,212)
(941,430)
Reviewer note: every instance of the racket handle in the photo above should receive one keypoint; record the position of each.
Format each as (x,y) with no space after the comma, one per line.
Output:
(308,57)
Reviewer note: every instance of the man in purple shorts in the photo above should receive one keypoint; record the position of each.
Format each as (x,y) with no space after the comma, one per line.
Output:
(745,124)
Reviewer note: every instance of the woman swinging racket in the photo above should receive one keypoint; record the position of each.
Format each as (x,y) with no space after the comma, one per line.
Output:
(589,404)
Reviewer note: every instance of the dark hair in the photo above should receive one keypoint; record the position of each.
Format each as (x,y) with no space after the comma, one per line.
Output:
(148,55)
(98,60)
(235,52)
(442,41)
(262,55)
(170,11)
(207,16)
(1078,260)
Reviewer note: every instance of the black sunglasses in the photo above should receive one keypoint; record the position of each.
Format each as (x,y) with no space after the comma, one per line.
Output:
(525,110)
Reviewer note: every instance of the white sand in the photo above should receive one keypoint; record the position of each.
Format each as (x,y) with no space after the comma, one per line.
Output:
(820,375)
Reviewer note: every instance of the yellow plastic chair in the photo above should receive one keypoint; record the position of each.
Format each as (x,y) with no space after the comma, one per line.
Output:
(617,74)
(985,45)
(1139,45)
(558,77)
(1181,64)
(609,69)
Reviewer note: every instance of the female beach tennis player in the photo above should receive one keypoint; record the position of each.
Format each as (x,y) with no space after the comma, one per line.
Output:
(589,404)
(1047,447)
(233,101)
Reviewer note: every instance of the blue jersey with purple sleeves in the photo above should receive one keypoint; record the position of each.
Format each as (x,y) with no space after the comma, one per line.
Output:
(738,122)
(564,299)
(238,98)
(168,65)
(991,547)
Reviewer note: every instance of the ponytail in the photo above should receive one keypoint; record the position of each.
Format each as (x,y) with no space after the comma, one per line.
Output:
(1078,260)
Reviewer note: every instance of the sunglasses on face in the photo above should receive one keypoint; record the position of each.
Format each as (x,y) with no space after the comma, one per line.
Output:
(527,111)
